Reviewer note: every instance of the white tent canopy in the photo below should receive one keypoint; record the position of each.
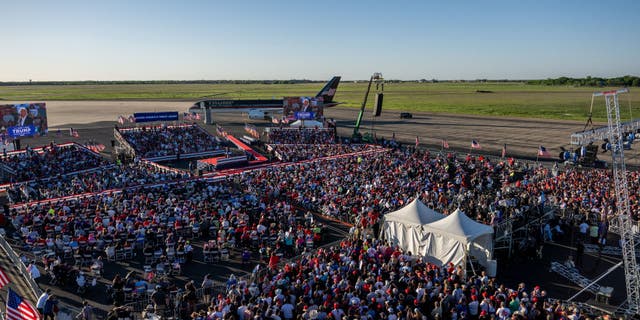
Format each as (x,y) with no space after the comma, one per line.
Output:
(450,239)
(404,227)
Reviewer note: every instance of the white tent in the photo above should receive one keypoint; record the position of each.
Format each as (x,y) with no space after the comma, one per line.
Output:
(454,237)
(404,227)
(306,124)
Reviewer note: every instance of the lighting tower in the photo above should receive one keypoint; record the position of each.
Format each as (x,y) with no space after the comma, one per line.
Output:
(624,221)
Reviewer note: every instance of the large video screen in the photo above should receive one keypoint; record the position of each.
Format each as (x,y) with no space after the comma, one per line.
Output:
(302,108)
(23,120)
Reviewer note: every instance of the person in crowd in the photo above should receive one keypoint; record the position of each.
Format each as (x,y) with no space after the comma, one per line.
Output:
(42,300)
(86,313)
(50,308)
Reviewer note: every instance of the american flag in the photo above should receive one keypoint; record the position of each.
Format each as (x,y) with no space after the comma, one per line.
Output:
(251,129)
(542,152)
(504,150)
(445,144)
(4,280)
(97,148)
(19,309)
(417,141)
(121,119)
(197,116)
(475,144)
(73,132)
(132,119)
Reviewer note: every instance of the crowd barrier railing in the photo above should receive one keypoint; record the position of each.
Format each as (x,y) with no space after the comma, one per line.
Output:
(15,259)
(123,142)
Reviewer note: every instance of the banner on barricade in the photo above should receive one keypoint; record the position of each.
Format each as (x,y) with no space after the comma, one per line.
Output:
(155,116)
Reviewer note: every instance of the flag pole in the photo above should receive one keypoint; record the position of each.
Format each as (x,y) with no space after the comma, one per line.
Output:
(4,303)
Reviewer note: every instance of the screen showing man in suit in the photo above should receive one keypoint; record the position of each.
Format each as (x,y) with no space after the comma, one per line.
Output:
(305,108)
(23,120)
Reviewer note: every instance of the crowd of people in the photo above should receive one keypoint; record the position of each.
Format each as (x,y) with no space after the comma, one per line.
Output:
(359,189)
(52,160)
(362,278)
(301,136)
(256,212)
(224,214)
(587,193)
(163,140)
(162,226)
(300,152)
(103,178)
(356,189)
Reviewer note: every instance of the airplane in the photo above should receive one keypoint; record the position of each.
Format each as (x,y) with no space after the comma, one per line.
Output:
(262,108)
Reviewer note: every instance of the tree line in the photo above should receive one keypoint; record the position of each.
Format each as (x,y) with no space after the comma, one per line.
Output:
(626,81)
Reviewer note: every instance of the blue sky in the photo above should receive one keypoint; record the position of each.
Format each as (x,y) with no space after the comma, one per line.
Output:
(140,40)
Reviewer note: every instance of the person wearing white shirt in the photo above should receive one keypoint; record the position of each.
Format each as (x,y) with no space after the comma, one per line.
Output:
(33,270)
(584,227)
(42,300)
(503,312)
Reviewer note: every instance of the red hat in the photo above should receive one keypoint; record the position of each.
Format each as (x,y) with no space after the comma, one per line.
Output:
(474,298)
(336,305)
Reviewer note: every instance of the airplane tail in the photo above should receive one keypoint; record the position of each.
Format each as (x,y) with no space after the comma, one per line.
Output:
(329,90)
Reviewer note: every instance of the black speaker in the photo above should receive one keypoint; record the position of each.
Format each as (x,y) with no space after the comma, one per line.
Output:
(378,108)
(113,143)
(16,144)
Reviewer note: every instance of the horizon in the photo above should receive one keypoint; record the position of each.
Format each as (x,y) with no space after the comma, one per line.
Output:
(252,40)
(36,82)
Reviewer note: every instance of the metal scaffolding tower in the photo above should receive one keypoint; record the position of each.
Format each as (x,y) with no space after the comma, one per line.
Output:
(585,137)
(622,222)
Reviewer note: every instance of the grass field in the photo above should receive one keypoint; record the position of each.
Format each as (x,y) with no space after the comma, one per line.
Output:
(505,99)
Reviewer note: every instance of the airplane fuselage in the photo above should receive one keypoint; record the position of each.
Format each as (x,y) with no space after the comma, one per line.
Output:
(262,108)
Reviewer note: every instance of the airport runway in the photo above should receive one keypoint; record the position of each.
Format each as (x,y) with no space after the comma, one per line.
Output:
(95,120)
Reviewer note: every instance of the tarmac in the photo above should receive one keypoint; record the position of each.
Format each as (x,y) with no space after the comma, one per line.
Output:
(95,120)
